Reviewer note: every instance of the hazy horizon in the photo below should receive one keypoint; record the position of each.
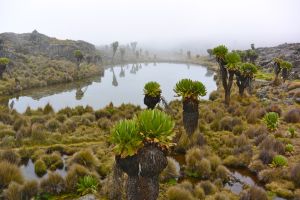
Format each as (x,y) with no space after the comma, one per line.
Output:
(158,24)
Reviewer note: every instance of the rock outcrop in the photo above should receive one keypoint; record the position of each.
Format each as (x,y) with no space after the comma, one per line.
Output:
(35,43)
(290,52)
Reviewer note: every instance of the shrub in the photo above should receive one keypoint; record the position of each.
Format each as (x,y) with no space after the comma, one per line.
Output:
(271,119)
(87,185)
(178,193)
(279,161)
(54,184)
(10,156)
(152,89)
(226,123)
(40,168)
(254,193)
(292,116)
(289,148)
(171,171)
(85,158)
(19,123)
(295,174)
(8,173)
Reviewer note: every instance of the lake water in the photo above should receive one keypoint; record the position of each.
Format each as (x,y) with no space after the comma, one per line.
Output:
(119,84)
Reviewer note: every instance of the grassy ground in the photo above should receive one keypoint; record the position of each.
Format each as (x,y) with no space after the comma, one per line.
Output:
(227,137)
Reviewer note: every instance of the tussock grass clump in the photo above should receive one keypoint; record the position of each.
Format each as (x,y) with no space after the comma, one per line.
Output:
(266,156)
(10,156)
(292,116)
(40,168)
(52,125)
(104,123)
(255,131)
(208,187)
(70,125)
(5,118)
(48,109)
(272,144)
(222,173)
(19,123)
(74,173)
(85,158)
(53,161)
(13,192)
(171,171)
(8,173)
(54,184)
(274,108)
(254,193)
(295,174)
(38,132)
(254,112)
(30,189)
(178,193)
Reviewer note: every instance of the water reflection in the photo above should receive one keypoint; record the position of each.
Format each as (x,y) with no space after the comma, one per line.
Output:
(209,73)
(122,72)
(114,81)
(102,91)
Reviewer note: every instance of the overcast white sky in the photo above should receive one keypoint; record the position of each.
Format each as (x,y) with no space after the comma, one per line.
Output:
(165,23)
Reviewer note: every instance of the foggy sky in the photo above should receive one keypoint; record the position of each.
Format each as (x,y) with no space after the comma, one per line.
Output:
(160,23)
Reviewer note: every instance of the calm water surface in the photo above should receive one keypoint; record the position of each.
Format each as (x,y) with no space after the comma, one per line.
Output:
(119,84)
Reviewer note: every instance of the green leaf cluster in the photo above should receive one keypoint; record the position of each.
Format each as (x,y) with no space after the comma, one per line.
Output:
(189,89)
(152,89)
(283,64)
(4,61)
(78,54)
(127,138)
(129,135)
(220,51)
(156,125)
(271,119)
(279,161)
(87,185)
(248,69)
(233,60)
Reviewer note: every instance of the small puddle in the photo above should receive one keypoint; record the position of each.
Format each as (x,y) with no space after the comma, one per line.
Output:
(28,170)
(240,178)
